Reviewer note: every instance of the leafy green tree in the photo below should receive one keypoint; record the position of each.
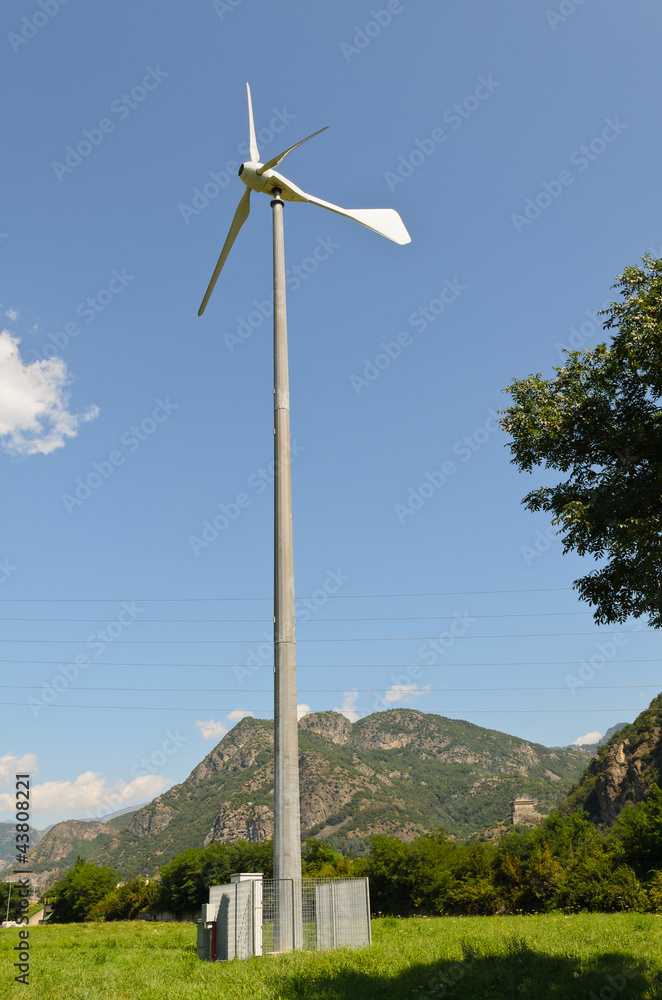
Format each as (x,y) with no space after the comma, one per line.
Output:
(319,860)
(8,894)
(186,879)
(75,894)
(182,885)
(387,868)
(473,890)
(127,901)
(599,422)
(654,890)
(431,870)
(638,834)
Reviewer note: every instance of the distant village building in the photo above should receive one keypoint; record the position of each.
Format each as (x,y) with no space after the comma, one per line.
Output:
(523,808)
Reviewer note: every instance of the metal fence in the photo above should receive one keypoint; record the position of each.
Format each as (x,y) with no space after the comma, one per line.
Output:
(252,916)
(335,913)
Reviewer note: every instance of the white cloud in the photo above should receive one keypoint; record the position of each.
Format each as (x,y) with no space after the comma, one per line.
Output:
(11,765)
(12,313)
(238,714)
(589,738)
(34,418)
(303,710)
(349,706)
(210,729)
(89,795)
(404,692)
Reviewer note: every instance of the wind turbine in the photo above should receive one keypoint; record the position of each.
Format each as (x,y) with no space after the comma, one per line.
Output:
(262,177)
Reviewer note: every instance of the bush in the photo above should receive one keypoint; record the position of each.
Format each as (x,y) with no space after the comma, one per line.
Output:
(622,891)
(654,891)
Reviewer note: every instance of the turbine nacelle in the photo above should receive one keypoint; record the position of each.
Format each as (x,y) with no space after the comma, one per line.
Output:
(254,179)
(262,178)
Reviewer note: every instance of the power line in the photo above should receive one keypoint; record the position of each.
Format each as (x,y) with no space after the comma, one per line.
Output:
(261,711)
(328,597)
(403,638)
(307,621)
(426,690)
(338,666)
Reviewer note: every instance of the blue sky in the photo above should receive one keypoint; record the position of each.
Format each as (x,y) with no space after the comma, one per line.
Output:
(521,148)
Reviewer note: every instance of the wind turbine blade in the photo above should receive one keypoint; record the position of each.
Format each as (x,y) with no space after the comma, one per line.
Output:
(281,156)
(240,217)
(384,221)
(255,153)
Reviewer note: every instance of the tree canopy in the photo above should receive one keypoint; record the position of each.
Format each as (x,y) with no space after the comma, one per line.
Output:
(76,893)
(599,422)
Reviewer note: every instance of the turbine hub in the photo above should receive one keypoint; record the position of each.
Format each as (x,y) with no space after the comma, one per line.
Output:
(248,172)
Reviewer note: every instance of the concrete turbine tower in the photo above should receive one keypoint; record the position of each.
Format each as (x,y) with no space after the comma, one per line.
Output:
(262,177)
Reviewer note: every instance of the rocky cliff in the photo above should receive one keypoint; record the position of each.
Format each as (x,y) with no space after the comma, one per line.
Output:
(624,769)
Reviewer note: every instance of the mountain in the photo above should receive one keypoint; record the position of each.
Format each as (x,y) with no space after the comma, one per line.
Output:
(58,849)
(624,768)
(8,843)
(610,732)
(399,772)
(592,748)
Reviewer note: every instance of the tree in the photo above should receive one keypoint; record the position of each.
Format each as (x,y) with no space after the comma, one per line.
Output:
(319,860)
(186,879)
(638,833)
(76,892)
(9,894)
(127,901)
(599,421)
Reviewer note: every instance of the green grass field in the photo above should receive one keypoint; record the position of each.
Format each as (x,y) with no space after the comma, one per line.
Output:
(464,958)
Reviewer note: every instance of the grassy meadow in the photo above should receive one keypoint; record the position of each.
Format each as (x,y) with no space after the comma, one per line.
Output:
(538,957)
